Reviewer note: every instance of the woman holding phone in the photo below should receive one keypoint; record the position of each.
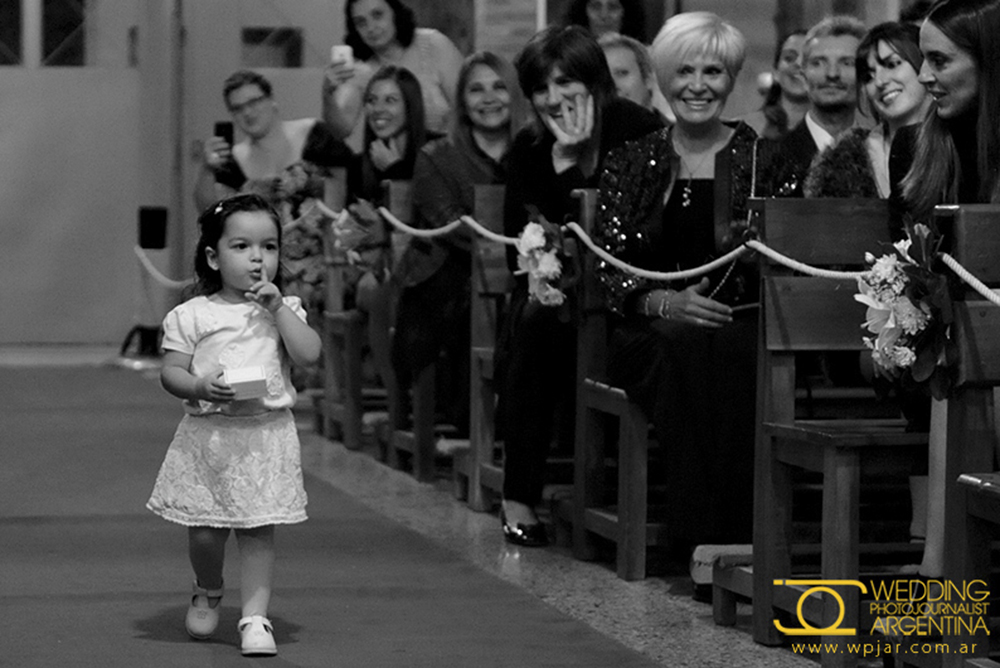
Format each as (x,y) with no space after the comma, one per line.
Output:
(380,33)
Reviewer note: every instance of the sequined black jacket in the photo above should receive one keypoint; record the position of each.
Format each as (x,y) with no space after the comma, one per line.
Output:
(633,188)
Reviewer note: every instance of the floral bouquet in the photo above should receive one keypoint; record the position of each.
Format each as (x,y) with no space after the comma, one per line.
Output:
(538,248)
(909,312)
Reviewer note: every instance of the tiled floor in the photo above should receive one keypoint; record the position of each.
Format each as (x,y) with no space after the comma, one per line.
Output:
(656,616)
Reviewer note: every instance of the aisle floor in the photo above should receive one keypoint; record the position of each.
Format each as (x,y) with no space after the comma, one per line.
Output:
(90,578)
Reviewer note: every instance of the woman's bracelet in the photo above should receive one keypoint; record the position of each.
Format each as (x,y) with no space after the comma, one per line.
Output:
(664,310)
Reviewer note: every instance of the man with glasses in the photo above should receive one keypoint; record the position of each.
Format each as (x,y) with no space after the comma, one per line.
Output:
(268,147)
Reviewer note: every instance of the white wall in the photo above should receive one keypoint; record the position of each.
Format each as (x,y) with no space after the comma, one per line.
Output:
(69,140)
(84,147)
(212,53)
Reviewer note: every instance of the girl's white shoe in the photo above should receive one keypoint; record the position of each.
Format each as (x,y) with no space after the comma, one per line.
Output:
(257,636)
(202,617)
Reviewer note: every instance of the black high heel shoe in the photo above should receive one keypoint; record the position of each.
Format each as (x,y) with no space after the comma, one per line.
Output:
(525,535)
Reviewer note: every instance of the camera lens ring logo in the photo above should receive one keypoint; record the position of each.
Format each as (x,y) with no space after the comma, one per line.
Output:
(816,586)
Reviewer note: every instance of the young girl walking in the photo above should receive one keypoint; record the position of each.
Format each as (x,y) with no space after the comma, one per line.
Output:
(234,462)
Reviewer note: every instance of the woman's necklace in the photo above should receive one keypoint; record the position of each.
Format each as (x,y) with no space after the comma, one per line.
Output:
(705,155)
(686,193)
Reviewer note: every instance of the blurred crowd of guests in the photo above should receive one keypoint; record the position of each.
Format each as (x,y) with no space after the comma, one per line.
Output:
(904,110)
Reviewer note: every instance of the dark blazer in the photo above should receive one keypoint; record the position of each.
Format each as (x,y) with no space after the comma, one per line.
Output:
(787,162)
(532,181)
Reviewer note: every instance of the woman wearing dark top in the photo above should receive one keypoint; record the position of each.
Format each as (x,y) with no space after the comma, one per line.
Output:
(578,119)
(953,157)
(600,17)
(433,311)
(394,134)
(675,200)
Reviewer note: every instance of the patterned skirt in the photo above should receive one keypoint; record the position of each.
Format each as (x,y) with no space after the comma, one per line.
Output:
(232,472)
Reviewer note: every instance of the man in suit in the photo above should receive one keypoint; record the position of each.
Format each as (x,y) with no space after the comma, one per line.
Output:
(828,68)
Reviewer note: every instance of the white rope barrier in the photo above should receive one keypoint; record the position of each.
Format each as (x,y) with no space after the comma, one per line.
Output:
(974,282)
(655,275)
(802,267)
(415,231)
(489,234)
(732,255)
(156,274)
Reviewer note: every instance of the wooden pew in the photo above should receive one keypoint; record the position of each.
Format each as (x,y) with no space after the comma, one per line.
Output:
(343,334)
(968,475)
(623,519)
(801,313)
(416,438)
(480,474)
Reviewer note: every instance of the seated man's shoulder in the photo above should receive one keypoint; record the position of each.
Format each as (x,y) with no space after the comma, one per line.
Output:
(299,127)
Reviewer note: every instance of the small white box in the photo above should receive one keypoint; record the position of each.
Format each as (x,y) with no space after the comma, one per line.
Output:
(248,382)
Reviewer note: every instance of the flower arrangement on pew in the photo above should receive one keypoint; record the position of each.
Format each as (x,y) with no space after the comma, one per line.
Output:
(909,312)
(538,248)
(360,237)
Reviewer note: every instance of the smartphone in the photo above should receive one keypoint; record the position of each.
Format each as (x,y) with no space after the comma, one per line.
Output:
(341,53)
(224,129)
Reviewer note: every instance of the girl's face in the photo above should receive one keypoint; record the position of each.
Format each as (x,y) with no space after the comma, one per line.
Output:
(385,109)
(487,99)
(699,88)
(558,88)
(375,22)
(949,73)
(894,89)
(789,69)
(604,16)
(247,252)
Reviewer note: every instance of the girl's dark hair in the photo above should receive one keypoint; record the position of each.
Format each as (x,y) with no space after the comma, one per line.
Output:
(403,19)
(211,224)
(577,54)
(903,38)
(413,99)
(934,178)
(633,17)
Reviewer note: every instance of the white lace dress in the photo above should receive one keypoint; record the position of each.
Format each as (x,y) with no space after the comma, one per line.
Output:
(237,464)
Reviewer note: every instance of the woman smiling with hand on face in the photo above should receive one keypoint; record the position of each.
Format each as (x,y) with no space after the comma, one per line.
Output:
(579,118)
(394,134)
(888,63)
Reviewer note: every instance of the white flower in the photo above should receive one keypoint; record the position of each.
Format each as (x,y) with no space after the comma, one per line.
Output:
(910,318)
(886,268)
(547,265)
(532,237)
(548,295)
(903,247)
(922,231)
(903,356)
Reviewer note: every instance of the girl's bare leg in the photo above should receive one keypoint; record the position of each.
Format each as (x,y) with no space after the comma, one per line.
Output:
(256,568)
